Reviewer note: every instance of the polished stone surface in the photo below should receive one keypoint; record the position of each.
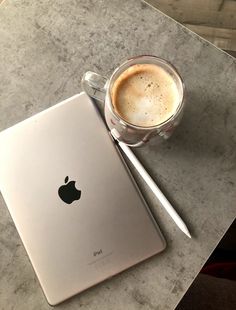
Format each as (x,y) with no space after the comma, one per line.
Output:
(46,46)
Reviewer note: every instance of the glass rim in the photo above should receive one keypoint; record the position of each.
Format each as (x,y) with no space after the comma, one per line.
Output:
(130,60)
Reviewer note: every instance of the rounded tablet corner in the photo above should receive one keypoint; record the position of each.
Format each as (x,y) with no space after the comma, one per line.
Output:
(51,303)
(164,244)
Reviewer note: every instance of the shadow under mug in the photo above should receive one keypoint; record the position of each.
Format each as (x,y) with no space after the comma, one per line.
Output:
(99,88)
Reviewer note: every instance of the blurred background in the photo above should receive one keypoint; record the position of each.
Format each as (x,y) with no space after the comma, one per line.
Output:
(214,20)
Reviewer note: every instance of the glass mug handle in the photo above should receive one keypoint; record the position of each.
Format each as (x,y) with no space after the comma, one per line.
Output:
(95,86)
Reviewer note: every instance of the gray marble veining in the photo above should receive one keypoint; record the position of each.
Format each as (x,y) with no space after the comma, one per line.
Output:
(45,47)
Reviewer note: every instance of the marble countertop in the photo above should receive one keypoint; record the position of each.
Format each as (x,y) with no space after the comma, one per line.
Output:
(46,46)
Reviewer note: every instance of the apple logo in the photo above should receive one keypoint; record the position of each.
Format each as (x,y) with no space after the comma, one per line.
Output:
(68,192)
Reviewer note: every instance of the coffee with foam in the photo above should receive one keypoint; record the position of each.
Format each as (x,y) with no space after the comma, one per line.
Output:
(145,95)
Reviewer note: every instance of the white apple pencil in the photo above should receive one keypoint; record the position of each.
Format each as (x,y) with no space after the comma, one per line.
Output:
(157,192)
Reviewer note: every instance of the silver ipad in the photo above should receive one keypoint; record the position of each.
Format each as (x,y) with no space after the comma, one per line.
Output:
(75,205)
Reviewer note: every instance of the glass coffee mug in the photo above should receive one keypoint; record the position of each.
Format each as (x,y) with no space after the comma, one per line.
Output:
(99,87)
